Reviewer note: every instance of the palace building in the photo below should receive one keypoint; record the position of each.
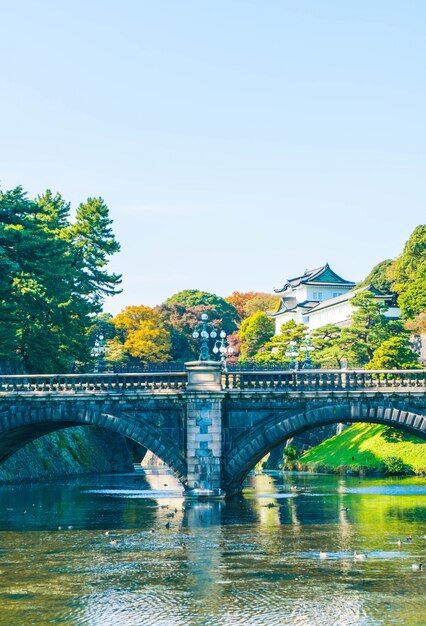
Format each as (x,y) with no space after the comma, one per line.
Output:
(319,297)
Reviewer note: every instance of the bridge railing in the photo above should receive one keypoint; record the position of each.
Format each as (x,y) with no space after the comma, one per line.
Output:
(260,380)
(324,380)
(79,383)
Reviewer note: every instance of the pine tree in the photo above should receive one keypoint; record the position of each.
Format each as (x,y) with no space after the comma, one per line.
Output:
(52,279)
(94,242)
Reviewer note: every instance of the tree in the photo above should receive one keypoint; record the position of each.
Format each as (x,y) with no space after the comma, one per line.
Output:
(94,241)
(380,277)
(239,300)
(181,313)
(412,298)
(369,328)
(142,334)
(14,208)
(102,325)
(40,291)
(219,308)
(275,350)
(418,324)
(250,302)
(409,274)
(330,349)
(44,316)
(233,341)
(180,322)
(260,302)
(394,353)
(357,343)
(255,332)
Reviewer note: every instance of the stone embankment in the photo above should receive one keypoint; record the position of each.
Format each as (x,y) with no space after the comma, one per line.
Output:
(77,450)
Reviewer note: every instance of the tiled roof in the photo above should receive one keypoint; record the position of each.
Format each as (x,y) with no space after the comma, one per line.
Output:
(347,296)
(322,274)
(291,304)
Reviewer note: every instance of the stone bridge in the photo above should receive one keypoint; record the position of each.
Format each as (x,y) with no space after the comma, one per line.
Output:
(210,427)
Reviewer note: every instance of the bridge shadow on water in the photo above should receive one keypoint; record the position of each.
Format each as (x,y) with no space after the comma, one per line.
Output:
(154,498)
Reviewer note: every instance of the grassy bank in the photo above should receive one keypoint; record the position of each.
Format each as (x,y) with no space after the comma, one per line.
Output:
(367,448)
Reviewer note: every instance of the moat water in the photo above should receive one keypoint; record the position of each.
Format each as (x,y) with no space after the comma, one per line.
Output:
(96,551)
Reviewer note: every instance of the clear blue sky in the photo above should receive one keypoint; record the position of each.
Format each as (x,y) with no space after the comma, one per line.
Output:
(236,142)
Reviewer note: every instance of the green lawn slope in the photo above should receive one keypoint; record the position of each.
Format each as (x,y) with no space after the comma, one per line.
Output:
(370,448)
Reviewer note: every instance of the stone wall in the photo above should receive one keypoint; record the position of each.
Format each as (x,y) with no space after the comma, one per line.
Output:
(77,450)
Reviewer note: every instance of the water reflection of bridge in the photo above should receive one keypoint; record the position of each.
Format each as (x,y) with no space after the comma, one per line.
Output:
(243,561)
(210,428)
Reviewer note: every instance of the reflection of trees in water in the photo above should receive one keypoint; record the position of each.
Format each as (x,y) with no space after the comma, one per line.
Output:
(243,562)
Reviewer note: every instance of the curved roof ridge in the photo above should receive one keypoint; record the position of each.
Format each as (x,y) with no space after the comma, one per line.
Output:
(311,275)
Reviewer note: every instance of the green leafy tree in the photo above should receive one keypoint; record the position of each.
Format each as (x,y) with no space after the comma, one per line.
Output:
(14,211)
(380,277)
(219,308)
(369,328)
(412,299)
(39,291)
(102,326)
(181,313)
(44,317)
(94,242)
(409,274)
(330,349)
(357,343)
(274,350)
(255,332)
(394,353)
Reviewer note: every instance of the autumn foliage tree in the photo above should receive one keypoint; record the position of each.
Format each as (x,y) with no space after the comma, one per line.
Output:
(141,337)
(250,302)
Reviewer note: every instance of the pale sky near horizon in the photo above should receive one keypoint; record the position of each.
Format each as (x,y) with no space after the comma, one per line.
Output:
(236,142)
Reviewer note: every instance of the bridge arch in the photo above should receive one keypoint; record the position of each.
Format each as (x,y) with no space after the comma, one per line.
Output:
(283,424)
(22,424)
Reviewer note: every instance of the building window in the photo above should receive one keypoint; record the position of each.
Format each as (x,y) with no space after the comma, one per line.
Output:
(315,295)
(319,295)
(335,295)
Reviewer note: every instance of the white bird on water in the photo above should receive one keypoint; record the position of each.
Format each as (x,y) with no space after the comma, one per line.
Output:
(416,567)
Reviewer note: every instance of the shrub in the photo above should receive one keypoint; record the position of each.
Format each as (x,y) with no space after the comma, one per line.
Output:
(394,465)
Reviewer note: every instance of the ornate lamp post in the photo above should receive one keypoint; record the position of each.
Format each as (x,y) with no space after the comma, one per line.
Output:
(292,352)
(307,348)
(220,346)
(99,351)
(204,330)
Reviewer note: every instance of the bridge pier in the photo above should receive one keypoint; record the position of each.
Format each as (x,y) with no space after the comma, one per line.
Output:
(204,397)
